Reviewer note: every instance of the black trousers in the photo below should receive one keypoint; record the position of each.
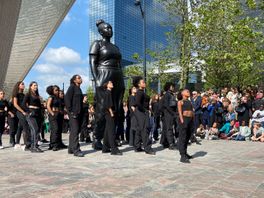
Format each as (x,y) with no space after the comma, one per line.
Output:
(13,125)
(142,133)
(133,129)
(167,137)
(157,126)
(55,130)
(185,131)
(34,122)
(2,126)
(23,127)
(75,128)
(84,128)
(128,126)
(109,133)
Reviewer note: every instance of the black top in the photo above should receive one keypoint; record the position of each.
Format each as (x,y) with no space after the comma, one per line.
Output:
(3,105)
(56,102)
(85,109)
(31,100)
(74,99)
(140,100)
(187,105)
(20,98)
(146,102)
(108,102)
(131,101)
(11,107)
(169,102)
(155,108)
(62,104)
(108,53)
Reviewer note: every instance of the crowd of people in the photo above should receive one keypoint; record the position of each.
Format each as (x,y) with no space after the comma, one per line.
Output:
(175,118)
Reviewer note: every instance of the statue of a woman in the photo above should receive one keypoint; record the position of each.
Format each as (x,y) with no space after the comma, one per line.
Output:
(105,62)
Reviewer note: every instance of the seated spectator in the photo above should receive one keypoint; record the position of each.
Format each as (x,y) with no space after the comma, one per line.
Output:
(225,130)
(212,133)
(258,116)
(201,131)
(243,134)
(258,132)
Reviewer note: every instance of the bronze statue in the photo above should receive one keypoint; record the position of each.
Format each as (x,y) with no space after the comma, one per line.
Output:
(105,62)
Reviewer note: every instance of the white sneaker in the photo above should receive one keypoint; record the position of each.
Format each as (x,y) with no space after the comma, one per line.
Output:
(39,143)
(17,146)
(23,147)
(1,147)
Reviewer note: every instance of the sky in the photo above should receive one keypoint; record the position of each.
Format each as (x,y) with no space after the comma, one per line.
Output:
(66,54)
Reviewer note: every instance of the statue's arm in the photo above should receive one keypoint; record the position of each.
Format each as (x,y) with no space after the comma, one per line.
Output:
(93,58)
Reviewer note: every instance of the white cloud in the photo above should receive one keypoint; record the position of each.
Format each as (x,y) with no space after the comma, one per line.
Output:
(67,18)
(48,68)
(62,56)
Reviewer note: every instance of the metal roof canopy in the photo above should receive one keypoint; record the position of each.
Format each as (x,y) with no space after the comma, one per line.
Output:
(26,27)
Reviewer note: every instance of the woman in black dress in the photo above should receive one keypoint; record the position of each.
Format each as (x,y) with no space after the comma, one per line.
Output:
(105,62)
(3,113)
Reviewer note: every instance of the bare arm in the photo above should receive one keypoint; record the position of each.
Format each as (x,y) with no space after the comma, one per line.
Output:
(49,106)
(180,111)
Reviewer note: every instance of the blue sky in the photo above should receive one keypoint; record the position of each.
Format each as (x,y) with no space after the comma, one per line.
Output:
(66,54)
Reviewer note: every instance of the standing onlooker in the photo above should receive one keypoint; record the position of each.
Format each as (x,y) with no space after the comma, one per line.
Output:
(197,105)
(3,113)
(74,105)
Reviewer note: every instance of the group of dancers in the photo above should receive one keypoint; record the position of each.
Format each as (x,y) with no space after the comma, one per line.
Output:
(24,112)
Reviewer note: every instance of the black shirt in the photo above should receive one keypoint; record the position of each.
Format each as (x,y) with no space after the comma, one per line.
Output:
(20,98)
(108,53)
(169,102)
(187,105)
(140,100)
(74,99)
(3,105)
(56,102)
(31,100)
(108,102)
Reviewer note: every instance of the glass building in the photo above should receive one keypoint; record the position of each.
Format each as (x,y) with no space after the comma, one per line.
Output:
(127,23)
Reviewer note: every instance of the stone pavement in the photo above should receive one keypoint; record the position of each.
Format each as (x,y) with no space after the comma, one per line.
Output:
(219,169)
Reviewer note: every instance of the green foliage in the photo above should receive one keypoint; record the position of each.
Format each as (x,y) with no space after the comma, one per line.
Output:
(90,95)
(229,42)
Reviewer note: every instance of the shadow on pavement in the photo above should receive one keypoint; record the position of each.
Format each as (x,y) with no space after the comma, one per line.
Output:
(199,154)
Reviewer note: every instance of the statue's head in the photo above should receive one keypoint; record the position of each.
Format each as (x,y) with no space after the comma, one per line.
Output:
(105,29)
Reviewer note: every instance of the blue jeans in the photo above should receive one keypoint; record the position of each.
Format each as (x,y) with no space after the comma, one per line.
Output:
(240,138)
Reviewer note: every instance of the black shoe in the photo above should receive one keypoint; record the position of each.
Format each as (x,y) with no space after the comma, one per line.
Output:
(197,142)
(50,148)
(106,150)
(44,141)
(165,146)
(116,152)
(55,149)
(184,159)
(70,152)
(39,150)
(63,146)
(139,150)
(36,150)
(189,156)
(79,154)
(88,140)
(150,152)
(97,145)
(172,147)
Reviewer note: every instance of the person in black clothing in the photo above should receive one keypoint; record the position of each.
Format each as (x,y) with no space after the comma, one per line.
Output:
(12,122)
(3,114)
(186,124)
(243,111)
(84,135)
(109,144)
(74,106)
(32,104)
(105,62)
(65,123)
(142,117)
(55,118)
(169,110)
(156,114)
(17,99)
(133,121)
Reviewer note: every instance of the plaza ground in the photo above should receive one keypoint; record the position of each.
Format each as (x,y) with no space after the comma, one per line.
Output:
(219,169)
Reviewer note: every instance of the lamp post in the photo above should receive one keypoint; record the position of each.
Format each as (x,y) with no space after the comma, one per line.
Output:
(143,14)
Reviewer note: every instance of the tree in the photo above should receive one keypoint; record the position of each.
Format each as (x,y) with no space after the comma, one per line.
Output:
(90,95)
(229,41)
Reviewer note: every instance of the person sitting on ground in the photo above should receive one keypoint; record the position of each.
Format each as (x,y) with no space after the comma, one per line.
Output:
(225,130)
(213,132)
(258,116)
(258,132)
(201,131)
(244,132)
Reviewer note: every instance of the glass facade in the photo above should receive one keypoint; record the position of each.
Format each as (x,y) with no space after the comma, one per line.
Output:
(127,24)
